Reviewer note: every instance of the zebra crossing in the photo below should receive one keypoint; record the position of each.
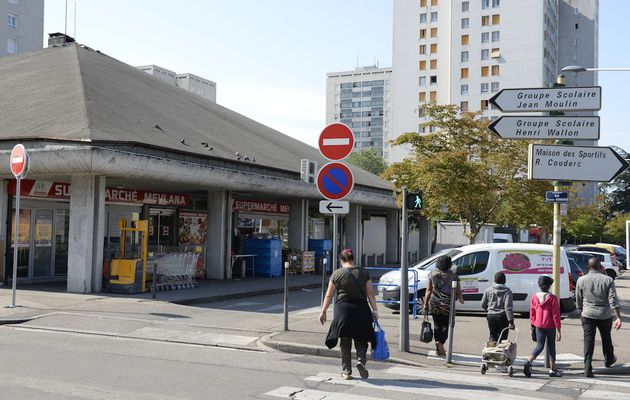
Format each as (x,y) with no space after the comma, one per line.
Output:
(402,382)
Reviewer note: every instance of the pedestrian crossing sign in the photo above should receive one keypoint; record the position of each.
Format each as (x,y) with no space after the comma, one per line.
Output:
(414,201)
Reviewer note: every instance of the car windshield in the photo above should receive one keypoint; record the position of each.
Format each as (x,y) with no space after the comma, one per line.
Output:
(428,262)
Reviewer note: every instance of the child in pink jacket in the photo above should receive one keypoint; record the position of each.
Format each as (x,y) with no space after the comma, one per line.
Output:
(544,315)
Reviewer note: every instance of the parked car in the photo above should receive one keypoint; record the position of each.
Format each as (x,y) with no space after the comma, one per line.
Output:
(523,263)
(605,258)
(581,258)
(502,238)
(617,250)
(602,248)
(576,271)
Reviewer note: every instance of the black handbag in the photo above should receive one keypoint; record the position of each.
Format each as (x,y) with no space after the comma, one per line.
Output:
(533,330)
(426,330)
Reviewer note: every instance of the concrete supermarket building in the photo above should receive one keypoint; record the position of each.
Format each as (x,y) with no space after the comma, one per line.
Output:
(107,141)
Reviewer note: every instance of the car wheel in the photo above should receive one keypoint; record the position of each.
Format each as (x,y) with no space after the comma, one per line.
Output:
(611,273)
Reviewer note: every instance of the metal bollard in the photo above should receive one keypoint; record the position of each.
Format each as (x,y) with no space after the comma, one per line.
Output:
(324,262)
(286,296)
(154,287)
(451,324)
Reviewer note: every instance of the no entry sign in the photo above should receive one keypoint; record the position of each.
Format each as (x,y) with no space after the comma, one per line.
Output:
(19,161)
(336,141)
(335,181)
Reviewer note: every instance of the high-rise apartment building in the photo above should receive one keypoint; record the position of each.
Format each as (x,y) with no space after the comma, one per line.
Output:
(192,83)
(361,100)
(22,27)
(464,51)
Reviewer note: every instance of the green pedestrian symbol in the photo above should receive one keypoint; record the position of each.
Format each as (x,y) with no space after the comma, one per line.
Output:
(414,201)
(418,202)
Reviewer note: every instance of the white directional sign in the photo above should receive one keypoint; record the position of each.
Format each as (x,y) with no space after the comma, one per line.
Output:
(574,163)
(548,99)
(542,128)
(334,207)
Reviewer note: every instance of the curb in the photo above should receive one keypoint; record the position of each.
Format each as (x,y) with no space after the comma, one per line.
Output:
(16,321)
(242,295)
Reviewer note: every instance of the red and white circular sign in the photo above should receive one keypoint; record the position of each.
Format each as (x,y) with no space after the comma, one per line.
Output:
(336,141)
(19,161)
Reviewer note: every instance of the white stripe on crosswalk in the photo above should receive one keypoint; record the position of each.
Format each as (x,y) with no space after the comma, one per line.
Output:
(475,359)
(461,391)
(483,380)
(288,392)
(602,395)
(611,382)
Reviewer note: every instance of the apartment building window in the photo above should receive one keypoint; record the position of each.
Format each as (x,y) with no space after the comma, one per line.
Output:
(423,3)
(465,57)
(12,21)
(433,48)
(496,3)
(485,54)
(485,4)
(465,23)
(433,96)
(422,96)
(495,70)
(423,18)
(433,64)
(422,81)
(465,40)
(485,87)
(423,33)
(494,86)
(434,2)
(433,32)
(463,73)
(433,16)
(433,79)
(496,53)
(485,37)
(463,106)
(465,6)
(496,19)
(464,89)
(423,49)
(485,71)
(423,65)
(496,36)
(484,104)
(485,20)
(12,47)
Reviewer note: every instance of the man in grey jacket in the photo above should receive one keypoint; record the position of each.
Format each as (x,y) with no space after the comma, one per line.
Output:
(498,300)
(597,300)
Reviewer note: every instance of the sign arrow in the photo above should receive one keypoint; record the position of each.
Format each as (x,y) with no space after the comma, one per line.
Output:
(543,128)
(574,163)
(334,207)
(548,99)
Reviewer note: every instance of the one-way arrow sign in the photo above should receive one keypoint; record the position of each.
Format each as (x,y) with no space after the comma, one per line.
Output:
(541,128)
(574,163)
(548,99)
(334,207)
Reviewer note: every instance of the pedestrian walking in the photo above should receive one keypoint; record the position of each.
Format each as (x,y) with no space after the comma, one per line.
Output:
(498,301)
(544,315)
(353,317)
(596,298)
(437,301)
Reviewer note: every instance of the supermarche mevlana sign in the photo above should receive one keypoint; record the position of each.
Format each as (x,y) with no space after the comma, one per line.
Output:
(61,190)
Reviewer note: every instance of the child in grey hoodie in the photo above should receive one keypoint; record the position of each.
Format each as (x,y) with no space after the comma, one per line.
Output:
(497,301)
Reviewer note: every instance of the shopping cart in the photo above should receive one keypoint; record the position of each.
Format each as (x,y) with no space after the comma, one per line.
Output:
(176,271)
(500,354)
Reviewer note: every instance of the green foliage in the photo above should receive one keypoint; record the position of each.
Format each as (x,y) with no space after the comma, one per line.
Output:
(618,191)
(466,172)
(585,223)
(370,159)
(615,229)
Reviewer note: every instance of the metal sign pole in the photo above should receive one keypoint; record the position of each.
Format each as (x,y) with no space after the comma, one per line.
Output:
(15,241)
(334,256)
(451,323)
(324,266)
(404,278)
(557,229)
(286,296)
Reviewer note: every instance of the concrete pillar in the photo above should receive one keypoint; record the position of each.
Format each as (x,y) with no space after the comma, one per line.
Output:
(354,232)
(392,252)
(87,220)
(298,224)
(219,238)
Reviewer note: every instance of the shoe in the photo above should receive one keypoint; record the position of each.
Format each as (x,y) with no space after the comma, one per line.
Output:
(555,374)
(527,369)
(610,364)
(589,374)
(362,370)
(346,376)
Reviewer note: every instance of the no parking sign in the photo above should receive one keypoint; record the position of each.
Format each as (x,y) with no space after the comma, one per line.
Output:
(335,181)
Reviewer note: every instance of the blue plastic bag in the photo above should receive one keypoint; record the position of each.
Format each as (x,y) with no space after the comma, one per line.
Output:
(381,350)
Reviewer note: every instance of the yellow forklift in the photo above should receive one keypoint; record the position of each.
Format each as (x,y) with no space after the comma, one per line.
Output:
(128,271)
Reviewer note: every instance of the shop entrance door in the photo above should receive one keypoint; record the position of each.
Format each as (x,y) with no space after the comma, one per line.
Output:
(43,244)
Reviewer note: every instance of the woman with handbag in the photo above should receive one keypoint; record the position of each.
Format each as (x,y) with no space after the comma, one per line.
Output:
(353,316)
(437,301)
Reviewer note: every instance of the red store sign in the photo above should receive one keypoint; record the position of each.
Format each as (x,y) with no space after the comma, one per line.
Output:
(256,206)
(60,190)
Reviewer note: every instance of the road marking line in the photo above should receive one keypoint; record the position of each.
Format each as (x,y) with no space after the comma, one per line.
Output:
(513,383)
(601,395)
(337,142)
(475,359)
(437,389)
(602,382)
(288,392)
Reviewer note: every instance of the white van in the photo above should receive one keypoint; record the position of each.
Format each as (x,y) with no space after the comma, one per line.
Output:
(522,263)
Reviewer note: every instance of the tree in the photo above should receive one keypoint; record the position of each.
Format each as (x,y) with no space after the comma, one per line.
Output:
(585,223)
(618,191)
(370,159)
(615,229)
(468,173)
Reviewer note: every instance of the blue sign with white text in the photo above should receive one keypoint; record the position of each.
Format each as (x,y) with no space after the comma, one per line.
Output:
(557,197)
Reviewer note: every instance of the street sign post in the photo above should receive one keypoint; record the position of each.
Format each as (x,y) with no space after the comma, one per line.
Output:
(334,207)
(19,163)
(548,99)
(335,181)
(574,163)
(336,142)
(556,197)
(543,128)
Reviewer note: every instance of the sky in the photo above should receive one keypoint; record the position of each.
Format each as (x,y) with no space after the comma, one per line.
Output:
(270,58)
